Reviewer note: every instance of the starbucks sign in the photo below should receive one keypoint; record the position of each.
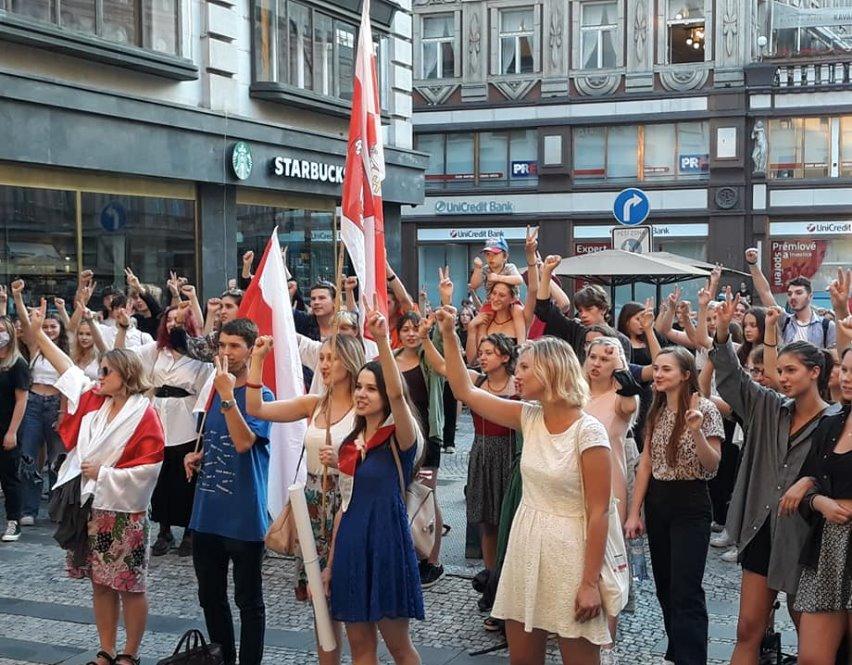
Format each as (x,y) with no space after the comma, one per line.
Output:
(241,161)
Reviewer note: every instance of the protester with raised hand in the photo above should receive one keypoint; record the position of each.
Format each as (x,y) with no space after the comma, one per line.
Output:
(376,462)
(14,382)
(177,381)
(681,453)
(119,318)
(146,309)
(115,449)
(803,325)
(221,311)
(825,597)
(38,439)
(840,291)
(566,473)
(229,513)
(331,417)
(88,343)
(777,441)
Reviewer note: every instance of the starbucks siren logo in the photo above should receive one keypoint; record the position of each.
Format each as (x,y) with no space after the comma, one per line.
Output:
(241,161)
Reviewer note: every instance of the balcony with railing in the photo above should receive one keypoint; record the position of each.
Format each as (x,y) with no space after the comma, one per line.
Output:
(803,45)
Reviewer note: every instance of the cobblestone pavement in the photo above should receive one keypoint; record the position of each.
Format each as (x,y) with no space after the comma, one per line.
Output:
(46,617)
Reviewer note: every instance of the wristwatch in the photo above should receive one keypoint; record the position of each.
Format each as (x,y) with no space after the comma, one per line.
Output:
(227,404)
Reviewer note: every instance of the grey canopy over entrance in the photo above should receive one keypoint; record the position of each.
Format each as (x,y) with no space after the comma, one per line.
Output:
(615,267)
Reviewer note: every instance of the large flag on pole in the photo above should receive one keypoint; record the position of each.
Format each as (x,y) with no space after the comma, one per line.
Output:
(267,303)
(362,226)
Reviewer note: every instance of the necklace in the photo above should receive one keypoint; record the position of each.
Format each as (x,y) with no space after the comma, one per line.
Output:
(502,323)
(498,391)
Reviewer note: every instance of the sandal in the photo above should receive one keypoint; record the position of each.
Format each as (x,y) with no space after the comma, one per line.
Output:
(102,654)
(126,659)
(492,625)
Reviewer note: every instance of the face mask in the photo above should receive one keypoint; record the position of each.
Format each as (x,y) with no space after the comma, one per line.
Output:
(5,338)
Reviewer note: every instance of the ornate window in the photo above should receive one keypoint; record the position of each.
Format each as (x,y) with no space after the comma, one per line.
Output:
(799,148)
(598,35)
(438,46)
(517,41)
(686,31)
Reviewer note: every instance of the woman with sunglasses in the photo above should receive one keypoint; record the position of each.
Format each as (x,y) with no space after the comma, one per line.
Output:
(115,445)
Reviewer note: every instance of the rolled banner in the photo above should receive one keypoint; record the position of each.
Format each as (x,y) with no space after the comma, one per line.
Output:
(308,545)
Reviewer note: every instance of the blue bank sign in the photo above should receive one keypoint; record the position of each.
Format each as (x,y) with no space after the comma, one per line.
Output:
(631,207)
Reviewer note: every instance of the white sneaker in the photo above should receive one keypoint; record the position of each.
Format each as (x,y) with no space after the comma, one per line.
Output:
(608,657)
(715,527)
(27,520)
(13,532)
(721,539)
(731,555)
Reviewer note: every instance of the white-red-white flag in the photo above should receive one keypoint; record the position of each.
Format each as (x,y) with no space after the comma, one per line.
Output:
(362,227)
(267,303)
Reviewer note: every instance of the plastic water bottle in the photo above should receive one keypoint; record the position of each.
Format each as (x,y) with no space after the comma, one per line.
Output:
(637,560)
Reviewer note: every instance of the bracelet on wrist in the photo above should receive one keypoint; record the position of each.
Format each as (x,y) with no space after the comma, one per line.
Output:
(771,346)
(254,386)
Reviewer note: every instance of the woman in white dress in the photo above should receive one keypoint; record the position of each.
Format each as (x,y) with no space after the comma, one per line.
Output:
(550,578)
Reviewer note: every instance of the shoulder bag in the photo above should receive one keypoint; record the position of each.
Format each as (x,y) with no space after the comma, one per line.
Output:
(420,506)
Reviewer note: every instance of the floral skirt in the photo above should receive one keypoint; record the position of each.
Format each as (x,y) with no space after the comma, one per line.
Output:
(322,523)
(118,551)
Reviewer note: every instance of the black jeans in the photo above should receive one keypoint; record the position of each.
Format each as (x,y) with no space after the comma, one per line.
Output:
(451,406)
(677,514)
(10,481)
(210,555)
(722,486)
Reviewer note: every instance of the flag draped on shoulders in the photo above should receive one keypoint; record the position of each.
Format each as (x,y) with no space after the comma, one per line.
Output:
(267,303)
(362,226)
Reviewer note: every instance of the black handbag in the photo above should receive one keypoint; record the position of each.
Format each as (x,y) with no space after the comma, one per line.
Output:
(193,649)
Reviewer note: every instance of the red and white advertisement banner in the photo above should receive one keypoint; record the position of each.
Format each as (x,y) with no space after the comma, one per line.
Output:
(794,257)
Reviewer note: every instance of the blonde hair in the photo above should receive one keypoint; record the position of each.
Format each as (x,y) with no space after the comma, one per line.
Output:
(349,351)
(13,354)
(555,364)
(129,367)
(615,344)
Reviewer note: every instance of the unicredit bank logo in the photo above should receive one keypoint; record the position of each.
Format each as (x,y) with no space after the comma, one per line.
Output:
(829,227)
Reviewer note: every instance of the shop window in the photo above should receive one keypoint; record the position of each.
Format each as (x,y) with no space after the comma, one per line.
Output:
(693,150)
(300,46)
(686,31)
(437,46)
(846,146)
(344,61)
(460,157)
(517,41)
(150,235)
(149,24)
(590,153)
(523,158)
(800,30)
(598,26)
(432,145)
(39,242)
(493,157)
(799,148)
(307,234)
(621,152)
(659,151)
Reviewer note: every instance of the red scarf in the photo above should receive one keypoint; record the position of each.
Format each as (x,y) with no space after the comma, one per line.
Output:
(350,453)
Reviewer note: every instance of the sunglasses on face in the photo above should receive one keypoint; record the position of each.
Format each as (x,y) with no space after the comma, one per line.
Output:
(104,372)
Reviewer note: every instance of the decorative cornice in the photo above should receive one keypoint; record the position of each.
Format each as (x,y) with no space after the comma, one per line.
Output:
(682,79)
(436,94)
(596,85)
(515,89)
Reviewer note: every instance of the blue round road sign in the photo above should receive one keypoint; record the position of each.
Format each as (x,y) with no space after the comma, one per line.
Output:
(631,207)
(113,217)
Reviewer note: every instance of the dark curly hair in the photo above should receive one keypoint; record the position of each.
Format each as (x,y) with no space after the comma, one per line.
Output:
(504,346)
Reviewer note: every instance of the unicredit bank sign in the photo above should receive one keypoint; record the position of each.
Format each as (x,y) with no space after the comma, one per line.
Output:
(288,167)
(473,207)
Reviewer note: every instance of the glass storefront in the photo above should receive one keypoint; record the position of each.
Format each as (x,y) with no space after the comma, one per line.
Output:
(307,234)
(150,235)
(48,235)
(39,242)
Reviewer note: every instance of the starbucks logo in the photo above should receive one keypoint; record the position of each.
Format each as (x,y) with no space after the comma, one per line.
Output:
(241,161)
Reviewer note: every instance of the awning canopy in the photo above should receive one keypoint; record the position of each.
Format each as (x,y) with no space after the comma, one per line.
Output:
(615,267)
(668,256)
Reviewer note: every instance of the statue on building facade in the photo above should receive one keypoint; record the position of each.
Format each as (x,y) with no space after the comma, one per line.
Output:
(759,153)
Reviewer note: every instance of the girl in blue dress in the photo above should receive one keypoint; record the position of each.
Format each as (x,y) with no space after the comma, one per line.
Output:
(374,576)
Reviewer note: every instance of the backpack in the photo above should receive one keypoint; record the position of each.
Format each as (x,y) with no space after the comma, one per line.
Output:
(825,324)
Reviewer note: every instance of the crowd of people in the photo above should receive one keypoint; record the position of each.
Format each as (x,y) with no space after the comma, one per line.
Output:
(726,426)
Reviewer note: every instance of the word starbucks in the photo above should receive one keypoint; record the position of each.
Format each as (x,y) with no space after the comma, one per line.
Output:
(307,170)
